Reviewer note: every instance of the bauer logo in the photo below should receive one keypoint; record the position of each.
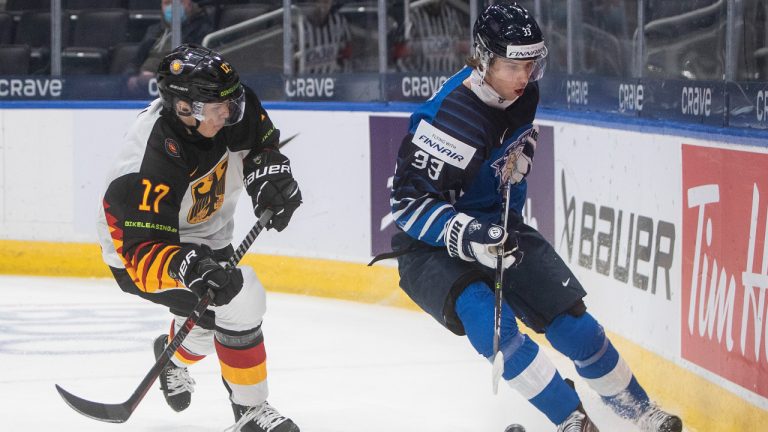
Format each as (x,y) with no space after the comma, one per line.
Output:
(635,249)
(725,265)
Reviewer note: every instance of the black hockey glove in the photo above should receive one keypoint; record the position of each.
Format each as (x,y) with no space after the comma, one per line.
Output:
(195,267)
(270,184)
(472,240)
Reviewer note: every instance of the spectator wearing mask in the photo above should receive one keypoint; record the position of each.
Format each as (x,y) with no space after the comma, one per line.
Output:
(195,25)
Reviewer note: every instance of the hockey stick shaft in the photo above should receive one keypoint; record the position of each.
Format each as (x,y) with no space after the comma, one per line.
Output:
(119,413)
(498,358)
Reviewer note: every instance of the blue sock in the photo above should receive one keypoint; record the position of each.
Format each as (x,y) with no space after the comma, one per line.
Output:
(584,341)
(523,363)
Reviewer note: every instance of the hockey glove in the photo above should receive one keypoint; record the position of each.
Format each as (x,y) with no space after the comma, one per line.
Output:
(520,160)
(194,267)
(270,184)
(472,240)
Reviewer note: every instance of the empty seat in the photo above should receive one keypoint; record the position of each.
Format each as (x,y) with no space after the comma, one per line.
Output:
(6,28)
(122,55)
(144,5)
(233,14)
(14,59)
(94,33)
(101,28)
(34,29)
(27,5)
(91,4)
(141,15)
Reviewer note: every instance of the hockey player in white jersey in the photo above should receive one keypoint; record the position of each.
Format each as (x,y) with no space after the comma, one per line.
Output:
(473,137)
(167,220)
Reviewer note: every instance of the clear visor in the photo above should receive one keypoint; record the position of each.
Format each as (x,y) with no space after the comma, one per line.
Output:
(513,70)
(227,113)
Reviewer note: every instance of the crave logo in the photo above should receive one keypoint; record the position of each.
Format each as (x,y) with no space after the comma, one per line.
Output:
(725,267)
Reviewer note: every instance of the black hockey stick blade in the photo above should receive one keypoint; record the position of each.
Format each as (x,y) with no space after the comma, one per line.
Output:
(119,413)
(112,413)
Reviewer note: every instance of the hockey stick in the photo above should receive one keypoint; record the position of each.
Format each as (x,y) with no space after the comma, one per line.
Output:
(119,413)
(498,356)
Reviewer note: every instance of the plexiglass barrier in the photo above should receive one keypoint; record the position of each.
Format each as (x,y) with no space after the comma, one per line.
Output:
(701,61)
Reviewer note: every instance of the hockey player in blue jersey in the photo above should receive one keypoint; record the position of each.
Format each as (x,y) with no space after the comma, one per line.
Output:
(474,135)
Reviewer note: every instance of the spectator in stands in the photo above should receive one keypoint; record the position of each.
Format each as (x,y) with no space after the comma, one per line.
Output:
(325,46)
(195,25)
(435,39)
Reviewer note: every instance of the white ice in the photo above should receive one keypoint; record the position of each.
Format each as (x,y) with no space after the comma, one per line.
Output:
(334,366)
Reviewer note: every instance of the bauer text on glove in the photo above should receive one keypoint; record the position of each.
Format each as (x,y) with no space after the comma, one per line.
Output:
(269,182)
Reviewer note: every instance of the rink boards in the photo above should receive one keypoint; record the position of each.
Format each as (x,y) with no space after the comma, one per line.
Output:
(665,227)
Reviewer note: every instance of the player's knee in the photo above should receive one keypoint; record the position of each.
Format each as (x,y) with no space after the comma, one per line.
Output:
(476,296)
(578,337)
(247,308)
(476,309)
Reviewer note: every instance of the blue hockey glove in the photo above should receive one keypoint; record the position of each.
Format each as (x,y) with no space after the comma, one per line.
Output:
(472,240)
(520,156)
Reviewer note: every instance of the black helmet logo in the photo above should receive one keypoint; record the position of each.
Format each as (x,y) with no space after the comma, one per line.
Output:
(226,68)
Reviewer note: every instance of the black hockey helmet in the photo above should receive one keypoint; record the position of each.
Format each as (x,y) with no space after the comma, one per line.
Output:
(199,76)
(506,30)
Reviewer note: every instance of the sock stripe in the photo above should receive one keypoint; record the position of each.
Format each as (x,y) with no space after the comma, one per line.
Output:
(595,357)
(187,357)
(241,358)
(534,378)
(614,382)
(249,376)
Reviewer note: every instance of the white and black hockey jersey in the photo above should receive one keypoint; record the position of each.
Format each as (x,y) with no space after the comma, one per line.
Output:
(171,185)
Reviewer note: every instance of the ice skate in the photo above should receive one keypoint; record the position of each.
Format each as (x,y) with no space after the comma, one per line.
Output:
(578,421)
(175,382)
(656,420)
(261,418)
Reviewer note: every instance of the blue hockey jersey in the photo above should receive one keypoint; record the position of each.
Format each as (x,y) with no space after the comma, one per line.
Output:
(450,160)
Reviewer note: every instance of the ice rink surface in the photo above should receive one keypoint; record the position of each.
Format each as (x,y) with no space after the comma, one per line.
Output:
(334,366)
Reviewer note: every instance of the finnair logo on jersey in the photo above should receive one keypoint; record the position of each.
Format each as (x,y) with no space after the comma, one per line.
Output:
(443,146)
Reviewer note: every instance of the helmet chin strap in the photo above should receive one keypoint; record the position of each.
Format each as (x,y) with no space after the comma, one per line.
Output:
(189,114)
(485,92)
(193,130)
